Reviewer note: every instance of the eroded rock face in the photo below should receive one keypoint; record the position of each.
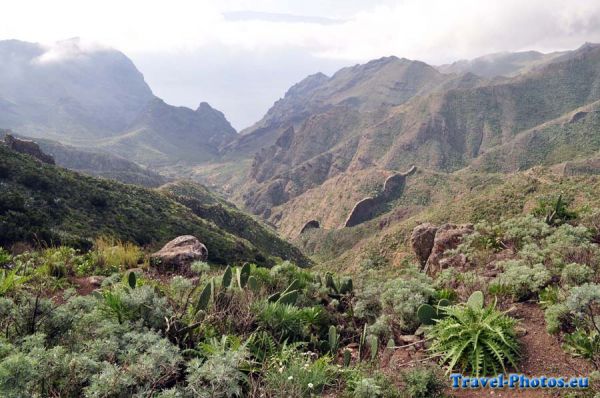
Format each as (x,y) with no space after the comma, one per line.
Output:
(421,240)
(431,244)
(179,253)
(312,224)
(370,207)
(28,148)
(447,237)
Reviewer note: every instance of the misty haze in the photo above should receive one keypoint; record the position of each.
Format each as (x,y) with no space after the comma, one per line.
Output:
(296,199)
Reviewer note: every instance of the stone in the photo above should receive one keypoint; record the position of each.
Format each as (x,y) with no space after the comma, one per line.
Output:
(179,253)
(520,331)
(421,240)
(409,339)
(95,281)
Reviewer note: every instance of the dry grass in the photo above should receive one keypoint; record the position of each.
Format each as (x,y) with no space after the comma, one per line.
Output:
(115,254)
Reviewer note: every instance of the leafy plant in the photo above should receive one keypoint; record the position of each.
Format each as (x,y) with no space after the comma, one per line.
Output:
(555,211)
(475,339)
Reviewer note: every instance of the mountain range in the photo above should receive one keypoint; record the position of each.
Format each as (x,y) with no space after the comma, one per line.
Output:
(331,141)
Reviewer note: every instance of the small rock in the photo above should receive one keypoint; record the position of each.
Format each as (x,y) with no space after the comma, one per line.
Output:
(409,339)
(520,331)
(95,281)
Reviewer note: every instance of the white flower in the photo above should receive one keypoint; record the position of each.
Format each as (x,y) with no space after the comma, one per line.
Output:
(290,377)
(281,370)
(310,385)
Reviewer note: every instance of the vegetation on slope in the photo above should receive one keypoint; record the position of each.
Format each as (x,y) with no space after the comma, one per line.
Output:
(45,204)
(226,216)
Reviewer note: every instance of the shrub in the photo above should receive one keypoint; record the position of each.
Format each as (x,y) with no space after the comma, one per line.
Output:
(284,321)
(583,303)
(423,382)
(402,297)
(557,318)
(298,374)
(479,340)
(574,274)
(521,280)
(366,386)
(220,374)
(5,257)
(199,267)
(285,273)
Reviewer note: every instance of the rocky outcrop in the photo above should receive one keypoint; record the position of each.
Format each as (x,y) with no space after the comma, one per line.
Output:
(447,237)
(312,224)
(421,240)
(28,148)
(432,243)
(178,254)
(370,207)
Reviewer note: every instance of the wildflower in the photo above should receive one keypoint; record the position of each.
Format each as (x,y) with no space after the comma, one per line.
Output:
(290,377)
(281,369)
(311,385)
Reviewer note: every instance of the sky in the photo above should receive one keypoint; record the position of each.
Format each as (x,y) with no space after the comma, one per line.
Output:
(241,56)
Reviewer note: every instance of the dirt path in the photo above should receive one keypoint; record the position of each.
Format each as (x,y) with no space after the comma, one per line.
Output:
(542,356)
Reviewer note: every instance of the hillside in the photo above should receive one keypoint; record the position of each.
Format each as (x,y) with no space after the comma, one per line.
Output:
(45,205)
(463,197)
(96,163)
(444,129)
(162,135)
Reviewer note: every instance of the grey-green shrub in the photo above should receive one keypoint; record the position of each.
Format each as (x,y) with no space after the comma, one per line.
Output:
(574,274)
(522,280)
(401,298)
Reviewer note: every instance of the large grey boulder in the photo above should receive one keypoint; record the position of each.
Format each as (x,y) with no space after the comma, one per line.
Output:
(178,254)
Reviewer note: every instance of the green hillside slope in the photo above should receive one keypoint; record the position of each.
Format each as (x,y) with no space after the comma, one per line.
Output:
(48,205)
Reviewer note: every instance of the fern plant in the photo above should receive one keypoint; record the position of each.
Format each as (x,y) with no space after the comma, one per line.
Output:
(475,339)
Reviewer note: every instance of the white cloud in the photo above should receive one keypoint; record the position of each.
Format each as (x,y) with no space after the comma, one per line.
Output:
(428,29)
(68,49)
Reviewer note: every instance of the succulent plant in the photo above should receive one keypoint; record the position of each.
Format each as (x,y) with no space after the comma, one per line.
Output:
(242,275)
(347,358)
(475,301)
(226,281)
(373,346)
(132,279)
(334,340)
(205,297)
(253,284)
(288,298)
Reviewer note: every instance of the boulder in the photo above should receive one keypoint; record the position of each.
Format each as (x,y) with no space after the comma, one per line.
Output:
(447,237)
(421,241)
(179,253)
